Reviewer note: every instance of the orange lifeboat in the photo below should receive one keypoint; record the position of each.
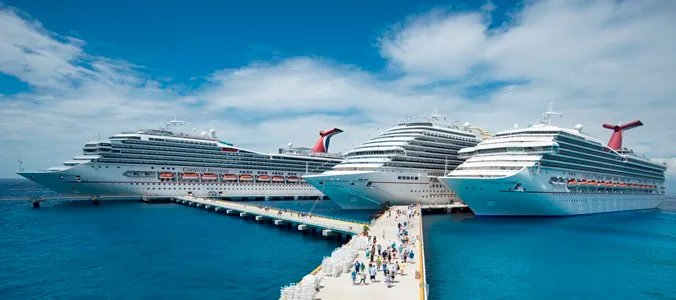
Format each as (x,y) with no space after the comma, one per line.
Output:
(263,178)
(246,177)
(190,176)
(572,182)
(230,177)
(294,178)
(209,176)
(166,175)
(278,178)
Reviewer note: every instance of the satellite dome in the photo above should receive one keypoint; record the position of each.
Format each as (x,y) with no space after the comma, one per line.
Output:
(290,145)
(466,125)
(203,134)
(212,133)
(579,127)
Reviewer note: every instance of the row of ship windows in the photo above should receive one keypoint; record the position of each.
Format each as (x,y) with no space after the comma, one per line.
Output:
(617,160)
(217,153)
(211,184)
(231,189)
(512,168)
(207,158)
(603,151)
(551,160)
(597,177)
(526,133)
(242,166)
(407,178)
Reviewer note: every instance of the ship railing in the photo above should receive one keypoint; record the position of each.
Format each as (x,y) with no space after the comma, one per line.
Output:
(324,216)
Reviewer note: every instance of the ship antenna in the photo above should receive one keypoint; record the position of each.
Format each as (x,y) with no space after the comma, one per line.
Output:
(546,117)
(173,122)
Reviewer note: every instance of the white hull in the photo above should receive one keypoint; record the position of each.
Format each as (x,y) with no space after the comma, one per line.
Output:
(495,197)
(351,189)
(102,180)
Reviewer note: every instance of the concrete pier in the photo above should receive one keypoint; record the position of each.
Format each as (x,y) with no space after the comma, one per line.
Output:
(281,217)
(411,285)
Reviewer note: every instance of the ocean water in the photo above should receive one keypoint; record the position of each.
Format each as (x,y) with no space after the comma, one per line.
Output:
(616,256)
(132,250)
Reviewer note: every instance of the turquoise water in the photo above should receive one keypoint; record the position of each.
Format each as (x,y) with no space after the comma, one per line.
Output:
(124,250)
(611,256)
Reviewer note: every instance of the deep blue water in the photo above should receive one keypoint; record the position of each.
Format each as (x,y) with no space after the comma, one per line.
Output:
(610,256)
(130,250)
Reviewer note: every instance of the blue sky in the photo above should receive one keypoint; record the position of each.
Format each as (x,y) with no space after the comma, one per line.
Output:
(265,73)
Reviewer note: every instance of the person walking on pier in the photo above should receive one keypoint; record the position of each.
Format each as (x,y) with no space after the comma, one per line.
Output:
(354,277)
(363,278)
(356,266)
(372,272)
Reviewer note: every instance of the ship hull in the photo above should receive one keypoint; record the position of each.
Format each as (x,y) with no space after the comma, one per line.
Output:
(537,197)
(373,189)
(103,180)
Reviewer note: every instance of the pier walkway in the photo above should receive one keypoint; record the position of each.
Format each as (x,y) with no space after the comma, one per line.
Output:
(328,226)
(411,285)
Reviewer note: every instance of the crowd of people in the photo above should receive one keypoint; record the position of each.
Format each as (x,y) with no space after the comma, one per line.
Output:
(391,254)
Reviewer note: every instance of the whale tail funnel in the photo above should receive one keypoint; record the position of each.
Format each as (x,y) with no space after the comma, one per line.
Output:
(615,141)
(322,145)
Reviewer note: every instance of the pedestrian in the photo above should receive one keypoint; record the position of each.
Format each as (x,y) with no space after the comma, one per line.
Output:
(388,282)
(363,266)
(379,262)
(354,277)
(372,272)
(385,269)
(363,278)
(356,266)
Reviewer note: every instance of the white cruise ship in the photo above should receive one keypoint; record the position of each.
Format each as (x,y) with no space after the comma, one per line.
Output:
(399,166)
(163,163)
(545,170)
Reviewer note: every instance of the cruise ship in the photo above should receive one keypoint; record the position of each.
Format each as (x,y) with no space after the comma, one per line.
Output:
(399,166)
(159,162)
(545,170)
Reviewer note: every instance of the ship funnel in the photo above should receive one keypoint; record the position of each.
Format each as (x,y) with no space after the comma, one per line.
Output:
(615,141)
(322,145)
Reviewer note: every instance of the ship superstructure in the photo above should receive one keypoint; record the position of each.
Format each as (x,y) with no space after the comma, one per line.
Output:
(545,170)
(160,162)
(399,166)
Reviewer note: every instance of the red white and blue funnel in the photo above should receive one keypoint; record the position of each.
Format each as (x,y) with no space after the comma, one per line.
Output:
(322,145)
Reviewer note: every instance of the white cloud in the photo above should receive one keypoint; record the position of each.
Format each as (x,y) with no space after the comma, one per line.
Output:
(601,61)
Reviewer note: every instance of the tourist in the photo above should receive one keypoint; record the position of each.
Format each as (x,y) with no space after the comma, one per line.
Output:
(356,266)
(402,268)
(363,266)
(393,271)
(410,255)
(372,272)
(363,278)
(379,249)
(385,269)
(388,282)
(379,262)
(354,277)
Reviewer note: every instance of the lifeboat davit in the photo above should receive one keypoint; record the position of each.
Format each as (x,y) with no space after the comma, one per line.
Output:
(246,177)
(189,176)
(209,176)
(278,178)
(294,178)
(166,175)
(263,178)
(230,177)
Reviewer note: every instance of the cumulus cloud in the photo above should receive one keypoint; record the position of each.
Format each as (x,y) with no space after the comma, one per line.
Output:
(601,61)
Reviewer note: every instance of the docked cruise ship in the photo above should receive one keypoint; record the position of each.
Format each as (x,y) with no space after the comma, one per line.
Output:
(163,163)
(546,170)
(399,166)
